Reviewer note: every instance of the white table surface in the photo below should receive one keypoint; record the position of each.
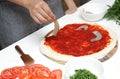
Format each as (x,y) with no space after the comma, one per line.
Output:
(9,57)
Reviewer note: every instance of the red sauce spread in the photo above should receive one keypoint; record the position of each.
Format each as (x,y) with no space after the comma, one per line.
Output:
(73,42)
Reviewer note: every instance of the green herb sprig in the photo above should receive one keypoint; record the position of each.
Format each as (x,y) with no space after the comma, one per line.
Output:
(113,12)
(83,74)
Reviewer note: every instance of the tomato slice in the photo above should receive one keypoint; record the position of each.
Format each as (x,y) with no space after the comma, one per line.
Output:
(36,71)
(56,74)
(28,76)
(43,72)
(40,70)
(0,77)
(24,71)
(6,74)
(15,70)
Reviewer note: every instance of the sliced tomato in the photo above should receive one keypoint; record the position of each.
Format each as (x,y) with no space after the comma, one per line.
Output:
(34,68)
(15,70)
(24,71)
(6,74)
(40,77)
(36,71)
(28,76)
(43,72)
(0,77)
(56,74)
(40,70)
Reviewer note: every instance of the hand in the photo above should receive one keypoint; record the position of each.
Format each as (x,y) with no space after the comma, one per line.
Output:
(70,11)
(71,6)
(40,11)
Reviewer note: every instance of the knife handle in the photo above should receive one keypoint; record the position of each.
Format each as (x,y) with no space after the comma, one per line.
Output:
(19,49)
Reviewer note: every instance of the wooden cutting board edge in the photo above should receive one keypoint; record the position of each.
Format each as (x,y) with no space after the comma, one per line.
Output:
(110,54)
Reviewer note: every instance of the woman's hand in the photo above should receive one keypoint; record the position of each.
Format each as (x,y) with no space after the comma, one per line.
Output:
(71,6)
(70,11)
(40,11)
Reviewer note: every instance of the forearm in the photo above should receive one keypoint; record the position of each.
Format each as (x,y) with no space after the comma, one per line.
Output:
(70,4)
(2,0)
(38,9)
(19,2)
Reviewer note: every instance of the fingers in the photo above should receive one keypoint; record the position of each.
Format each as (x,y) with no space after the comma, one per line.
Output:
(41,13)
(38,18)
(47,10)
(45,15)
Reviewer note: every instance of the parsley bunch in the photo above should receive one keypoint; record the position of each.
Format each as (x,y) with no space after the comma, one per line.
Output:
(83,74)
(114,12)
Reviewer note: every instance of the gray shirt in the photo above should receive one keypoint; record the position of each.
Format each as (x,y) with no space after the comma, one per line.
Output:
(16,23)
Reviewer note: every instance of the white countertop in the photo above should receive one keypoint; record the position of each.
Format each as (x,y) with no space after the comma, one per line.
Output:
(9,57)
(108,2)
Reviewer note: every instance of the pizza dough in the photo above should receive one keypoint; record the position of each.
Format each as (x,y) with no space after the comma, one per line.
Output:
(50,51)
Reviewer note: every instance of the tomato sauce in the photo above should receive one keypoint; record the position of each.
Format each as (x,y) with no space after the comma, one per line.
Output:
(73,42)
